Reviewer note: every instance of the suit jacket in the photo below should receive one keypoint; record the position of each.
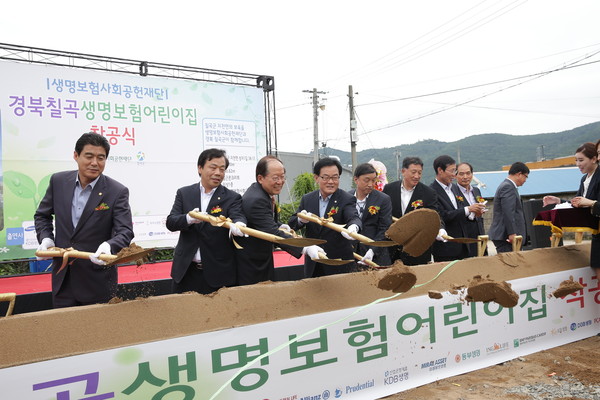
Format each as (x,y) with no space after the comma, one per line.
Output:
(455,222)
(474,227)
(375,222)
(337,246)
(216,248)
(429,198)
(508,217)
(105,218)
(593,193)
(255,260)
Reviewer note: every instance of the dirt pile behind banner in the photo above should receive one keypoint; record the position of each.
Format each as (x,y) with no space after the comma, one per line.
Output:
(33,337)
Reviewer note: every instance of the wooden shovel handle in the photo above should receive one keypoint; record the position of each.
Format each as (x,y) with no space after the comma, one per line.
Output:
(517,242)
(370,263)
(73,254)
(335,227)
(11,297)
(225,223)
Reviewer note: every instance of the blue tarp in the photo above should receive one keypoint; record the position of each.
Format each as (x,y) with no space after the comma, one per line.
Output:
(540,181)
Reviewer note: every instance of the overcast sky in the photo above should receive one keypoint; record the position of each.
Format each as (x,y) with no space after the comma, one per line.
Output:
(396,54)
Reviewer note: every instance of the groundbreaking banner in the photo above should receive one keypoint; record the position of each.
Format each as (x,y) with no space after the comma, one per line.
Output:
(363,353)
(157,127)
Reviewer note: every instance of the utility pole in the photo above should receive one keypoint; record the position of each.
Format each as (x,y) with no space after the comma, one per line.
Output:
(397,154)
(353,137)
(315,99)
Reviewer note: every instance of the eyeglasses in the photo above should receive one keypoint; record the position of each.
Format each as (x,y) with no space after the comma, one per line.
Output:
(277,178)
(328,178)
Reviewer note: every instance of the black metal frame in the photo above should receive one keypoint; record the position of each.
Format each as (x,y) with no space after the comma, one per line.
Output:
(36,55)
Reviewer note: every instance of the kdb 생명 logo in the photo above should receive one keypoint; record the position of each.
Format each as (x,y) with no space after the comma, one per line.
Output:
(140,156)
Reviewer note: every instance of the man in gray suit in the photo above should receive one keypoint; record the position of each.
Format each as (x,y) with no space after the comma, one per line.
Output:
(91,213)
(508,219)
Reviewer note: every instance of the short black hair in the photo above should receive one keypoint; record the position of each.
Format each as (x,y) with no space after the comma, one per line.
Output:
(209,154)
(442,162)
(408,161)
(326,162)
(467,164)
(518,167)
(93,139)
(262,167)
(364,169)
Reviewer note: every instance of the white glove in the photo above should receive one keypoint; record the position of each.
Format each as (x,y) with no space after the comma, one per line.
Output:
(368,256)
(440,236)
(104,248)
(285,227)
(313,251)
(191,220)
(304,221)
(235,230)
(352,228)
(45,245)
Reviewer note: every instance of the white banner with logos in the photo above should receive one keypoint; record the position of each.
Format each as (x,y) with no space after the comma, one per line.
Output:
(360,353)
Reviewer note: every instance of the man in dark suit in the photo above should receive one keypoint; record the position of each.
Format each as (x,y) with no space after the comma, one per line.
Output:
(476,204)
(205,258)
(91,213)
(408,195)
(508,219)
(255,260)
(329,201)
(375,211)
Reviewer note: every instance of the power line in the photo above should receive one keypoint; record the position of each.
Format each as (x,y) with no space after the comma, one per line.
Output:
(538,74)
(532,77)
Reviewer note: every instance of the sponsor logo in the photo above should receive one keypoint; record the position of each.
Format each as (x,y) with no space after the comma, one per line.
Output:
(360,386)
(497,347)
(294,397)
(528,339)
(338,393)
(15,236)
(326,395)
(315,397)
(434,365)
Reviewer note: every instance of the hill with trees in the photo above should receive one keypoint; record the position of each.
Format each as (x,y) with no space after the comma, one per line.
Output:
(486,152)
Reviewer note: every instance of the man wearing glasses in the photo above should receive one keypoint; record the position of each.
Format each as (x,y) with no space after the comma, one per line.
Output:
(255,259)
(374,210)
(329,201)
(453,210)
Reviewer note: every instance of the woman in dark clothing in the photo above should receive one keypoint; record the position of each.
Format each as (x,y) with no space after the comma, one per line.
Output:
(588,195)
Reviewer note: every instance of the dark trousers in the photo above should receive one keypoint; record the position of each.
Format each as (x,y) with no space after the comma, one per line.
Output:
(502,246)
(194,281)
(65,297)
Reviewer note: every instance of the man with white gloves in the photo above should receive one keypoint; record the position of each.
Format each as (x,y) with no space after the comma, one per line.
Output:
(255,259)
(91,213)
(205,256)
(329,201)
(375,211)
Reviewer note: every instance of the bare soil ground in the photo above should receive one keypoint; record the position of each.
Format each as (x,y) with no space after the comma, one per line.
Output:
(543,375)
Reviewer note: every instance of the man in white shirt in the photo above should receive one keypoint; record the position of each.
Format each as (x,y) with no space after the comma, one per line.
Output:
(476,208)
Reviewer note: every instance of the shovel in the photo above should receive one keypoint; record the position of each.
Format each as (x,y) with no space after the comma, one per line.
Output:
(108,258)
(340,228)
(461,240)
(370,263)
(269,237)
(330,261)
(415,231)
(10,297)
